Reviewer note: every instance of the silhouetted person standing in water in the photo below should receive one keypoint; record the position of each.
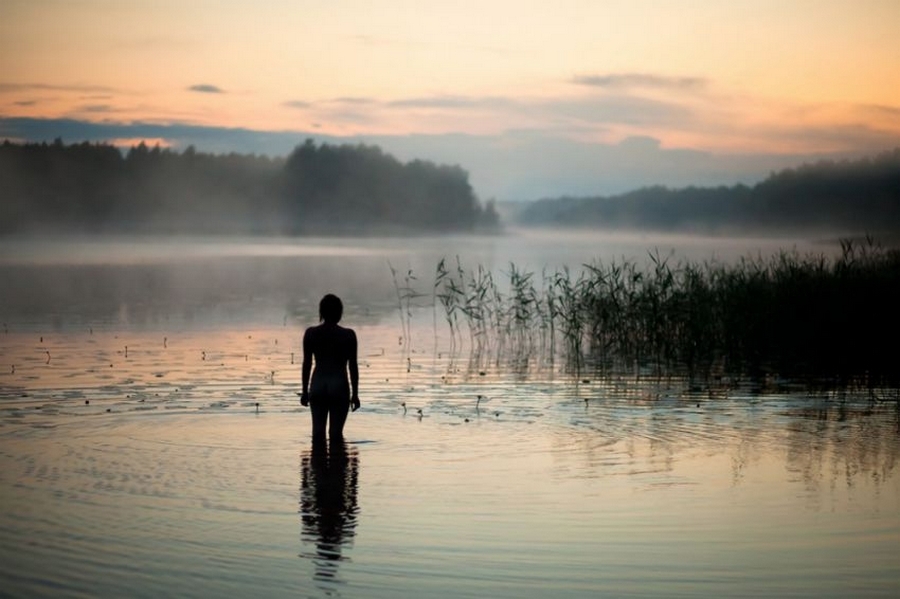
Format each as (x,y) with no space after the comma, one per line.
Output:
(329,394)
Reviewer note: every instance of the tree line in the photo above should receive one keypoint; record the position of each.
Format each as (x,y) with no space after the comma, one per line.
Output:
(317,189)
(854,196)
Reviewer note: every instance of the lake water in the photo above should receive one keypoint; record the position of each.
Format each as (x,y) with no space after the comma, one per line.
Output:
(151,442)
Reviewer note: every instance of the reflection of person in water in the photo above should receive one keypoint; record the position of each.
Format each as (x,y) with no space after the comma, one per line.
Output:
(329,395)
(328,508)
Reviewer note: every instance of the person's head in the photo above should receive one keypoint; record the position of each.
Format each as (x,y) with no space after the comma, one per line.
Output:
(331,309)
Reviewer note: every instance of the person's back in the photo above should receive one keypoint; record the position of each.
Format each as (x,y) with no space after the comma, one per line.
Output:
(332,347)
(329,393)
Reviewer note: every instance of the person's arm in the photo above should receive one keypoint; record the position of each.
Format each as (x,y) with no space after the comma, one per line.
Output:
(354,373)
(306,368)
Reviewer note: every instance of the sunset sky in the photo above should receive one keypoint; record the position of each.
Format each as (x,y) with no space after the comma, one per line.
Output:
(532,98)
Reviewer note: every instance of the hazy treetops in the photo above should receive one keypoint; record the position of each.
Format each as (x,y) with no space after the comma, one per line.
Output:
(337,189)
(317,189)
(847,196)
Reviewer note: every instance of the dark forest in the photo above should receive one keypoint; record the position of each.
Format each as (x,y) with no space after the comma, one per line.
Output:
(317,189)
(854,196)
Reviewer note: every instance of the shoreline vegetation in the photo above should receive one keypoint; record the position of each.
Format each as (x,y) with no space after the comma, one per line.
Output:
(784,321)
(851,197)
(317,189)
(326,189)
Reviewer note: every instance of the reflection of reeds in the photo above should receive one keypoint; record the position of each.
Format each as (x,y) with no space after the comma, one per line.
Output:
(802,318)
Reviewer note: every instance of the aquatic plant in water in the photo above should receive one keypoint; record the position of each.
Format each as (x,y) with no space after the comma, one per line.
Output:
(793,318)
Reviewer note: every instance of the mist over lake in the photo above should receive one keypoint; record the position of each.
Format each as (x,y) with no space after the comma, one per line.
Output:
(151,437)
(135,280)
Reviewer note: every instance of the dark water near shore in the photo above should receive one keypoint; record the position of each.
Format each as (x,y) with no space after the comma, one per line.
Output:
(135,461)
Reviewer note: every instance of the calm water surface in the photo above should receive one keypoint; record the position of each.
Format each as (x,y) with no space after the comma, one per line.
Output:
(135,461)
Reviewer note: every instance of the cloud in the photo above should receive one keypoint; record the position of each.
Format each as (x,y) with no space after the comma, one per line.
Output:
(348,116)
(205,88)
(15,87)
(564,112)
(342,101)
(641,80)
(25,103)
(356,100)
(455,102)
(880,110)
(588,114)
(95,108)
(625,109)
(847,137)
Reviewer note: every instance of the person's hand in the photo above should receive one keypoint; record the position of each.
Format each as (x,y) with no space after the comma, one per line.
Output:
(354,403)
(304,398)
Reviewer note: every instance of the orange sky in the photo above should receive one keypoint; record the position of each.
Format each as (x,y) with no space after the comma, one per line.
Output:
(740,76)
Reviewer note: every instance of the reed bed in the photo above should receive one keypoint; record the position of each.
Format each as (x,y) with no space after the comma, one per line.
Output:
(788,318)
